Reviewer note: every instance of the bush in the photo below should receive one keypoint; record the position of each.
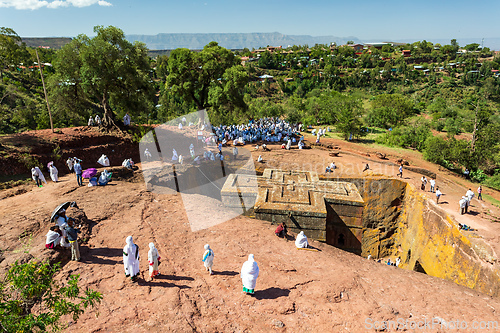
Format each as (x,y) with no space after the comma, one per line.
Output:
(436,150)
(493,181)
(413,136)
(30,286)
(478,175)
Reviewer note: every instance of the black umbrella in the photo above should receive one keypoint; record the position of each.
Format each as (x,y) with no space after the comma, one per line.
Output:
(64,206)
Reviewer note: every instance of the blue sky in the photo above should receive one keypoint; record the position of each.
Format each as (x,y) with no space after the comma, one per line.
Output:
(364,19)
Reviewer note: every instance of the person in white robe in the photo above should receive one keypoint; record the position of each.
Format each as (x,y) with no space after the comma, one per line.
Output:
(153,259)
(53,237)
(249,274)
(235,152)
(180,126)
(62,222)
(37,176)
(318,137)
(469,194)
(175,157)
(301,241)
(97,120)
(463,205)
(70,162)
(147,154)
(288,144)
(91,121)
(131,259)
(54,173)
(181,159)
(260,159)
(208,258)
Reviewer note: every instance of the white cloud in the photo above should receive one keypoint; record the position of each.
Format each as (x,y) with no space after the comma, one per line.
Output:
(36,4)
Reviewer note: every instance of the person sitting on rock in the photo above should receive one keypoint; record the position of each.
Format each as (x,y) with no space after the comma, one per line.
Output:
(301,241)
(281,230)
(54,237)
(259,159)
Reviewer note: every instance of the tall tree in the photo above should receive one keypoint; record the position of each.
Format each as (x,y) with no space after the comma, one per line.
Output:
(11,48)
(211,77)
(110,71)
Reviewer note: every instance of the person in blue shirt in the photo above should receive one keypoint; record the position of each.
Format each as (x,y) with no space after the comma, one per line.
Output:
(78,170)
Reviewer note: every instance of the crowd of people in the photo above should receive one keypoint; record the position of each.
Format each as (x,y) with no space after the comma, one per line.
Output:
(263,129)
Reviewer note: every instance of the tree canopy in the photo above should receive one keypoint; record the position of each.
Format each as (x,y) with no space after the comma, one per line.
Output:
(105,71)
(210,78)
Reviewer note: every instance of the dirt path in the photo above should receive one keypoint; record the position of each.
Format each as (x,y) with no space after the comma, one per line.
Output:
(330,290)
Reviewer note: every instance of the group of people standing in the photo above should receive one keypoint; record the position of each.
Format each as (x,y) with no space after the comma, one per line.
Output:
(249,270)
(464,202)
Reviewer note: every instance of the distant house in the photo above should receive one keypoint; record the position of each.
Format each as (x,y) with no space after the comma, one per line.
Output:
(265,77)
(406,53)
(356,47)
(244,60)
(288,79)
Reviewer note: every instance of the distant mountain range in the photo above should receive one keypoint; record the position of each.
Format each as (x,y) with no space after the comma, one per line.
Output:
(256,40)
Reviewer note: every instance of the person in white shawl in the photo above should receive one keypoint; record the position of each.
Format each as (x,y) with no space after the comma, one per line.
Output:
(175,157)
(208,258)
(53,172)
(301,241)
(70,162)
(249,274)
(37,176)
(131,259)
(153,259)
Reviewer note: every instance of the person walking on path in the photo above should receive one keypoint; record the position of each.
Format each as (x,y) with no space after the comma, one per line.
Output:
(208,258)
(78,171)
(131,259)
(438,194)
(249,274)
(433,184)
(424,182)
(463,205)
(154,261)
(479,191)
(401,171)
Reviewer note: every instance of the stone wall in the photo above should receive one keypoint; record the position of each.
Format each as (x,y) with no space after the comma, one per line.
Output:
(399,222)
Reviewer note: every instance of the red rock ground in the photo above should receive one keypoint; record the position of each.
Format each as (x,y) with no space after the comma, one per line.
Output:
(326,291)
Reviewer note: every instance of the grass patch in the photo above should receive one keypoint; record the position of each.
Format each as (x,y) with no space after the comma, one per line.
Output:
(491,200)
(14,180)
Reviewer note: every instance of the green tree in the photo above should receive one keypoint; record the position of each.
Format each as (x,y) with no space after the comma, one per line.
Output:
(204,77)
(109,70)
(12,50)
(347,112)
(31,301)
